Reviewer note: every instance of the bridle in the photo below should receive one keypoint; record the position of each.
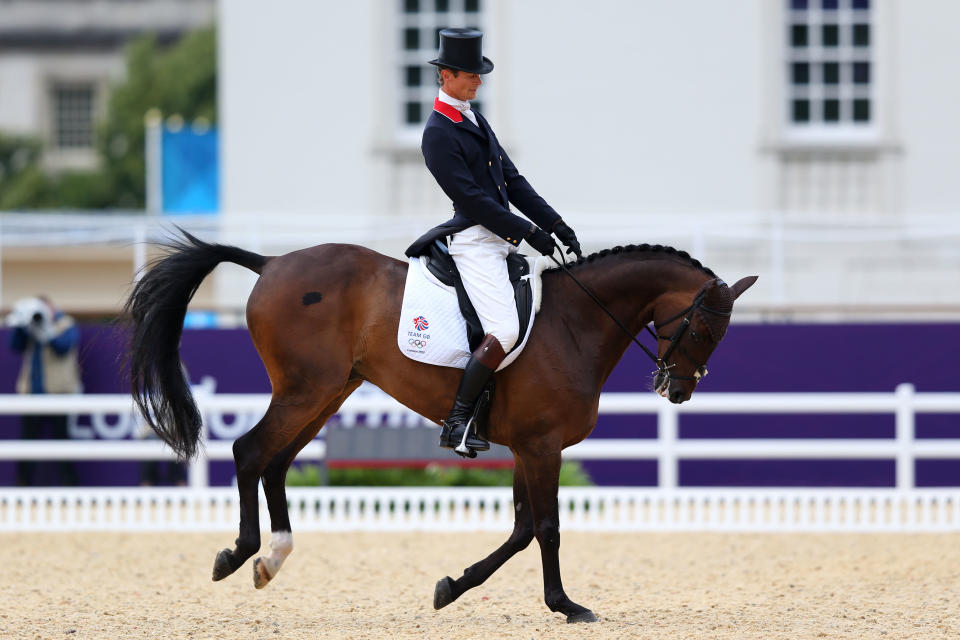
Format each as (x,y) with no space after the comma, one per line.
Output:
(662,375)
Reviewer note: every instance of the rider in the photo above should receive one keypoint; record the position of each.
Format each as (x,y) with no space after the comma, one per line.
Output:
(466,159)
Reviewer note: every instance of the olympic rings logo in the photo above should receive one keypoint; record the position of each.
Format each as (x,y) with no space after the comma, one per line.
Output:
(420,344)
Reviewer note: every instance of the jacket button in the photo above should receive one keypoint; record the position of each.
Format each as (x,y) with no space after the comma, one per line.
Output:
(498,187)
(489,163)
(509,240)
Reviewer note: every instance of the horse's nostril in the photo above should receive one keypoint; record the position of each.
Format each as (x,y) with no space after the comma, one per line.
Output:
(676,397)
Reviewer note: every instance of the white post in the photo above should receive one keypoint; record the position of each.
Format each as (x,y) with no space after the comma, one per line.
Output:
(667,428)
(200,466)
(153,152)
(905,433)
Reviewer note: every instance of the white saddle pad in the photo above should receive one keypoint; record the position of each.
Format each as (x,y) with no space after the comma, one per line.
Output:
(432,329)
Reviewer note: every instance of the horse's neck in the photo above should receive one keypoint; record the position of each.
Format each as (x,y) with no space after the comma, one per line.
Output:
(634,286)
(630,287)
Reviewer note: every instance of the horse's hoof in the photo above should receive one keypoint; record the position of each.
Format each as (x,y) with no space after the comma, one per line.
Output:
(443,593)
(221,566)
(583,616)
(261,577)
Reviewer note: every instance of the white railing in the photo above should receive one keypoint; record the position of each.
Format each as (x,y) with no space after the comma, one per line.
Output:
(773,238)
(474,509)
(902,507)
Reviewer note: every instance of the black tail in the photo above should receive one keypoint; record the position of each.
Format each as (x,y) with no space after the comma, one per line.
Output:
(157,307)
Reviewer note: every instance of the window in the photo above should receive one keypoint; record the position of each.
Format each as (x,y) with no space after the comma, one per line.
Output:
(829,70)
(419,38)
(73,111)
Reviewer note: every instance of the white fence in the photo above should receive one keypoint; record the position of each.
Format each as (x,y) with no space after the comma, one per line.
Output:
(903,507)
(485,509)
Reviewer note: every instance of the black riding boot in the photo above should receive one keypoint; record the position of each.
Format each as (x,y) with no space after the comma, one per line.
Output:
(458,431)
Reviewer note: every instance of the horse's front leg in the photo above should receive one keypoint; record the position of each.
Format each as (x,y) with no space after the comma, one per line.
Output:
(448,589)
(542,475)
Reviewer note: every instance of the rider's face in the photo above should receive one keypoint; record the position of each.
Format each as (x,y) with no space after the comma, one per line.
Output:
(463,86)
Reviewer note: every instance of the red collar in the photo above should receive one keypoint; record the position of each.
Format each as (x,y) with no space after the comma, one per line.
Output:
(445,109)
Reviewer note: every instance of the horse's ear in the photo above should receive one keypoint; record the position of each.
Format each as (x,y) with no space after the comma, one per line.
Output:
(742,285)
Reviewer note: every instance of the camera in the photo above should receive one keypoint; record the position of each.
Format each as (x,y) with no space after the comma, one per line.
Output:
(33,315)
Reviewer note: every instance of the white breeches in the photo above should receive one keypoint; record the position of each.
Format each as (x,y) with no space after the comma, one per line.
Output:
(481,258)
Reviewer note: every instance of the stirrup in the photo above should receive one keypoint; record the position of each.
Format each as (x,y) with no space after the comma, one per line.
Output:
(462,448)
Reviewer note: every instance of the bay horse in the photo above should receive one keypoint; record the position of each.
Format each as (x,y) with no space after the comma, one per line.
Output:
(324,319)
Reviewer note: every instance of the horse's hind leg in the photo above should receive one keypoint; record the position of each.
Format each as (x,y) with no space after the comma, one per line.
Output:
(265,568)
(448,589)
(252,452)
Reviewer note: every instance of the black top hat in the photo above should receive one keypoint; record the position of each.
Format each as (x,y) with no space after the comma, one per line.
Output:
(460,50)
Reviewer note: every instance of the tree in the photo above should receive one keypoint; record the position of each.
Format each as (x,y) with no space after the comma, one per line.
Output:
(180,79)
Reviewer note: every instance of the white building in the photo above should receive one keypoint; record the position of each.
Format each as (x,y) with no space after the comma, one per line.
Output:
(811,141)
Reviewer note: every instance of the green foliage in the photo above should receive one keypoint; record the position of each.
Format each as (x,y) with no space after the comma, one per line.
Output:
(181,79)
(571,475)
(19,172)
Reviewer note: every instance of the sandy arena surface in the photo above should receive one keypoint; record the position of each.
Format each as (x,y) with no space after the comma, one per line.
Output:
(381,586)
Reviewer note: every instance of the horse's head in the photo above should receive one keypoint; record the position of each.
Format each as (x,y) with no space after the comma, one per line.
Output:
(688,334)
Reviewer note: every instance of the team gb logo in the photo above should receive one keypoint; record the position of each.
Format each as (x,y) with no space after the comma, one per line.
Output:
(420,323)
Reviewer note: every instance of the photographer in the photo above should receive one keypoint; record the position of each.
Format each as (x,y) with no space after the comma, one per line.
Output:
(48,340)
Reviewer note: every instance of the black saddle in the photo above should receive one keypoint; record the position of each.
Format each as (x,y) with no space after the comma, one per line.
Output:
(438,261)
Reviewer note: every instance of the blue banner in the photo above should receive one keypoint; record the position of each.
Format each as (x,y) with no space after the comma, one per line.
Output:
(191,171)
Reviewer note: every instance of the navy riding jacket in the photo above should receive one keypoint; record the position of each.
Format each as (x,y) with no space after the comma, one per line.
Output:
(478,176)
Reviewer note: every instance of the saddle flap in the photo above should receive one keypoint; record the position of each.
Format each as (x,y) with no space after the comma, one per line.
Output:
(439,262)
(432,326)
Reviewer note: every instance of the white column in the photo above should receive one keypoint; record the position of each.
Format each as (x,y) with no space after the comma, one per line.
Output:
(667,430)
(905,434)
(153,157)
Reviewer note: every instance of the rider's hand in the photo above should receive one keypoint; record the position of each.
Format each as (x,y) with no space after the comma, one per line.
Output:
(541,241)
(567,237)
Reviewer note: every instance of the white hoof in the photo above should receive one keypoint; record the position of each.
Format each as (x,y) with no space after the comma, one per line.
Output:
(265,567)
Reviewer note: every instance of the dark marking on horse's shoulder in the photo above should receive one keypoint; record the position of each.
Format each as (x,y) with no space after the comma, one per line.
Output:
(312,297)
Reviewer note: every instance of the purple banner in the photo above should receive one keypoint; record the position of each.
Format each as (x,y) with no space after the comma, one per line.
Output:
(752,358)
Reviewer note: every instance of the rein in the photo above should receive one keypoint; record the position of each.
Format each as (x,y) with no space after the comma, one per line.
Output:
(663,375)
(650,354)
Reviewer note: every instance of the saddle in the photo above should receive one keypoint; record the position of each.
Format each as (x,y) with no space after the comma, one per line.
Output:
(439,262)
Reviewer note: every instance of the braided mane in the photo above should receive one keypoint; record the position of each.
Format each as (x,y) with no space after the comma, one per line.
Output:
(640,248)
